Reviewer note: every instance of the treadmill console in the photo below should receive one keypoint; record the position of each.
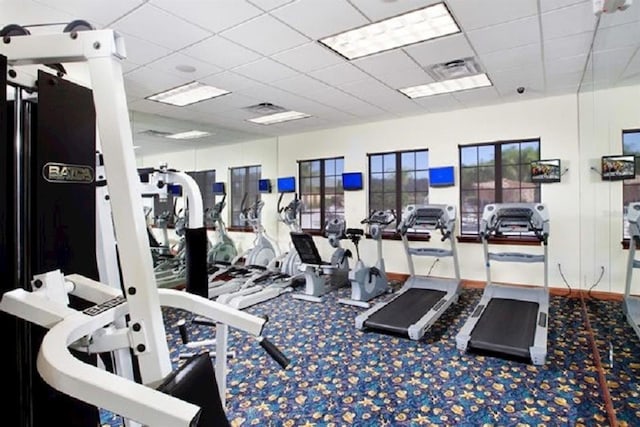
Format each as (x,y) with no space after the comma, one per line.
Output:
(505,218)
(429,217)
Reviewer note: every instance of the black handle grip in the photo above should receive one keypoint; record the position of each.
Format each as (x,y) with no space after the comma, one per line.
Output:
(184,334)
(275,353)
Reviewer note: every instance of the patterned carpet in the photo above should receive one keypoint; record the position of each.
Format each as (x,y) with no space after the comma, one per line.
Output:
(341,376)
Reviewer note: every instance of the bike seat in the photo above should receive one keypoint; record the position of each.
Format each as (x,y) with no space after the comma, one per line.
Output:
(354,231)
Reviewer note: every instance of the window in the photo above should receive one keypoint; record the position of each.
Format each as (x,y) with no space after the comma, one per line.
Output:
(398,179)
(630,187)
(321,191)
(205,180)
(497,172)
(244,180)
(164,211)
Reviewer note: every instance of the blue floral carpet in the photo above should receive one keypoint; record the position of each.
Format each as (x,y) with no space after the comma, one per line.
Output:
(342,376)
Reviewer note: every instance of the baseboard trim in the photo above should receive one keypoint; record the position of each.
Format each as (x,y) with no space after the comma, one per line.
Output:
(554,291)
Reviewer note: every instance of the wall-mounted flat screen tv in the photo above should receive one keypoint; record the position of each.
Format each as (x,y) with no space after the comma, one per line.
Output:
(616,168)
(287,184)
(352,181)
(545,170)
(264,186)
(441,176)
(218,188)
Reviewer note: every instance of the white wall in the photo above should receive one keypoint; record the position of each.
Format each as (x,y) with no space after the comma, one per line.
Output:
(554,120)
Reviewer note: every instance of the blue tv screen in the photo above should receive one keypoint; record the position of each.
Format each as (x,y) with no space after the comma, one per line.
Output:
(352,181)
(287,184)
(218,188)
(441,177)
(174,190)
(264,186)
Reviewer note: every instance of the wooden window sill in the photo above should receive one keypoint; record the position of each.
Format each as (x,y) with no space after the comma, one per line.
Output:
(518,241)
(625,244)
(240,229)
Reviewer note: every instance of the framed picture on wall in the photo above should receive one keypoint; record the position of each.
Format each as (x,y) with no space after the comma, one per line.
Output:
(546,170)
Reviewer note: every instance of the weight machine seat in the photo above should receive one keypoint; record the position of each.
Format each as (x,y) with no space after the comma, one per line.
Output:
(195,382)
(307,249)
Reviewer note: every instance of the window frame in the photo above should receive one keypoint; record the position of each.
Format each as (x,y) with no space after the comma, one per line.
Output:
(391,234)
(498,191)
(246,184)
(322,176)
(625,238)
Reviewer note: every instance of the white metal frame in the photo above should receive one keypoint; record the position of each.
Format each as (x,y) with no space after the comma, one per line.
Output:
(631,303)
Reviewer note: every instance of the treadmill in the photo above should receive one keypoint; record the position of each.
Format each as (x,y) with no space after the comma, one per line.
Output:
(422,299)
(511,320)
(631,303)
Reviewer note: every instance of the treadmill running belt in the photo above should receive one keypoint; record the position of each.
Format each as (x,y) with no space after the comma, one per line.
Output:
(506,326)
(404,311)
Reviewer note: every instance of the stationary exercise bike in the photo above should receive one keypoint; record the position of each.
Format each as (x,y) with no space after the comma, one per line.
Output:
(368,282)
(224,250)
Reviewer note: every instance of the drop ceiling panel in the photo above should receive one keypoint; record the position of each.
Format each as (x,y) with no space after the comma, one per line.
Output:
(318,19)
(152,81)
(505,36)
(265,35)
(265,70)
(308,57)
(576,44)
(214,16)
(378,10)
(475,97)
(267,5)
(512,58)
(473,15)
(563,80)
(546,5)
(633,67)
(385,62)
(25,12)
(438,103)
(575,19)
(301,84)
(531,78)
(169,65)
(339,74)
(369,90)
(95,12)
(142,52)
(160,27)
(228,80)
(440,50)
(632,14)
(404,78)
(617,37)
(609,65)
(226,102)
(566,65)
(221,52)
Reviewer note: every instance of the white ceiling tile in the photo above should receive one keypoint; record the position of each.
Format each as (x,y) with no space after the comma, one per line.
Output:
(441,50)
(230,101)
(152,81)
(546,5)
(512,58)
(169,63)
(142,52)
(156,25)
(506,82)
(266,35)
(379,10)
(439,103)
(339,74)
(576,44)
(563,80)
(128,66)
(505,36)
(609,65)
(318,19)
(634,65)
(479,96)
(404,78)
(265,70)
(215,15)
(369,89)
(618,36)
(575,19)
(152,107)
(308,57)
(28,11)
(566,65)
(221,52)
(385,62)
(632,14)
(95,12)
(301,85)
(229,81)
(472,15)
(267,5)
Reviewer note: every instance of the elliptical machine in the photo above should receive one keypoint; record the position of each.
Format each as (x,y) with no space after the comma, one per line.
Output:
(368,282)
(224,250)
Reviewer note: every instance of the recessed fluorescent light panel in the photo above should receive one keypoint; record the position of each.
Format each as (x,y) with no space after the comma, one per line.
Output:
(192,134)
(409,28)
(187,94)
(286,116)
(447,86)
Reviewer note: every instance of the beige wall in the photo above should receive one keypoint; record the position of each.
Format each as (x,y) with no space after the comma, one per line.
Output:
(574,203)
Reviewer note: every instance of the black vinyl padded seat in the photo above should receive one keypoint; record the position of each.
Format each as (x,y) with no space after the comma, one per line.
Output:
(195,382)
(404,311)
(506,326)
(307,249)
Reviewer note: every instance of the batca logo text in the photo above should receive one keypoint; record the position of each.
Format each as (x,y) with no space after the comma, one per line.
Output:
(61,172)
